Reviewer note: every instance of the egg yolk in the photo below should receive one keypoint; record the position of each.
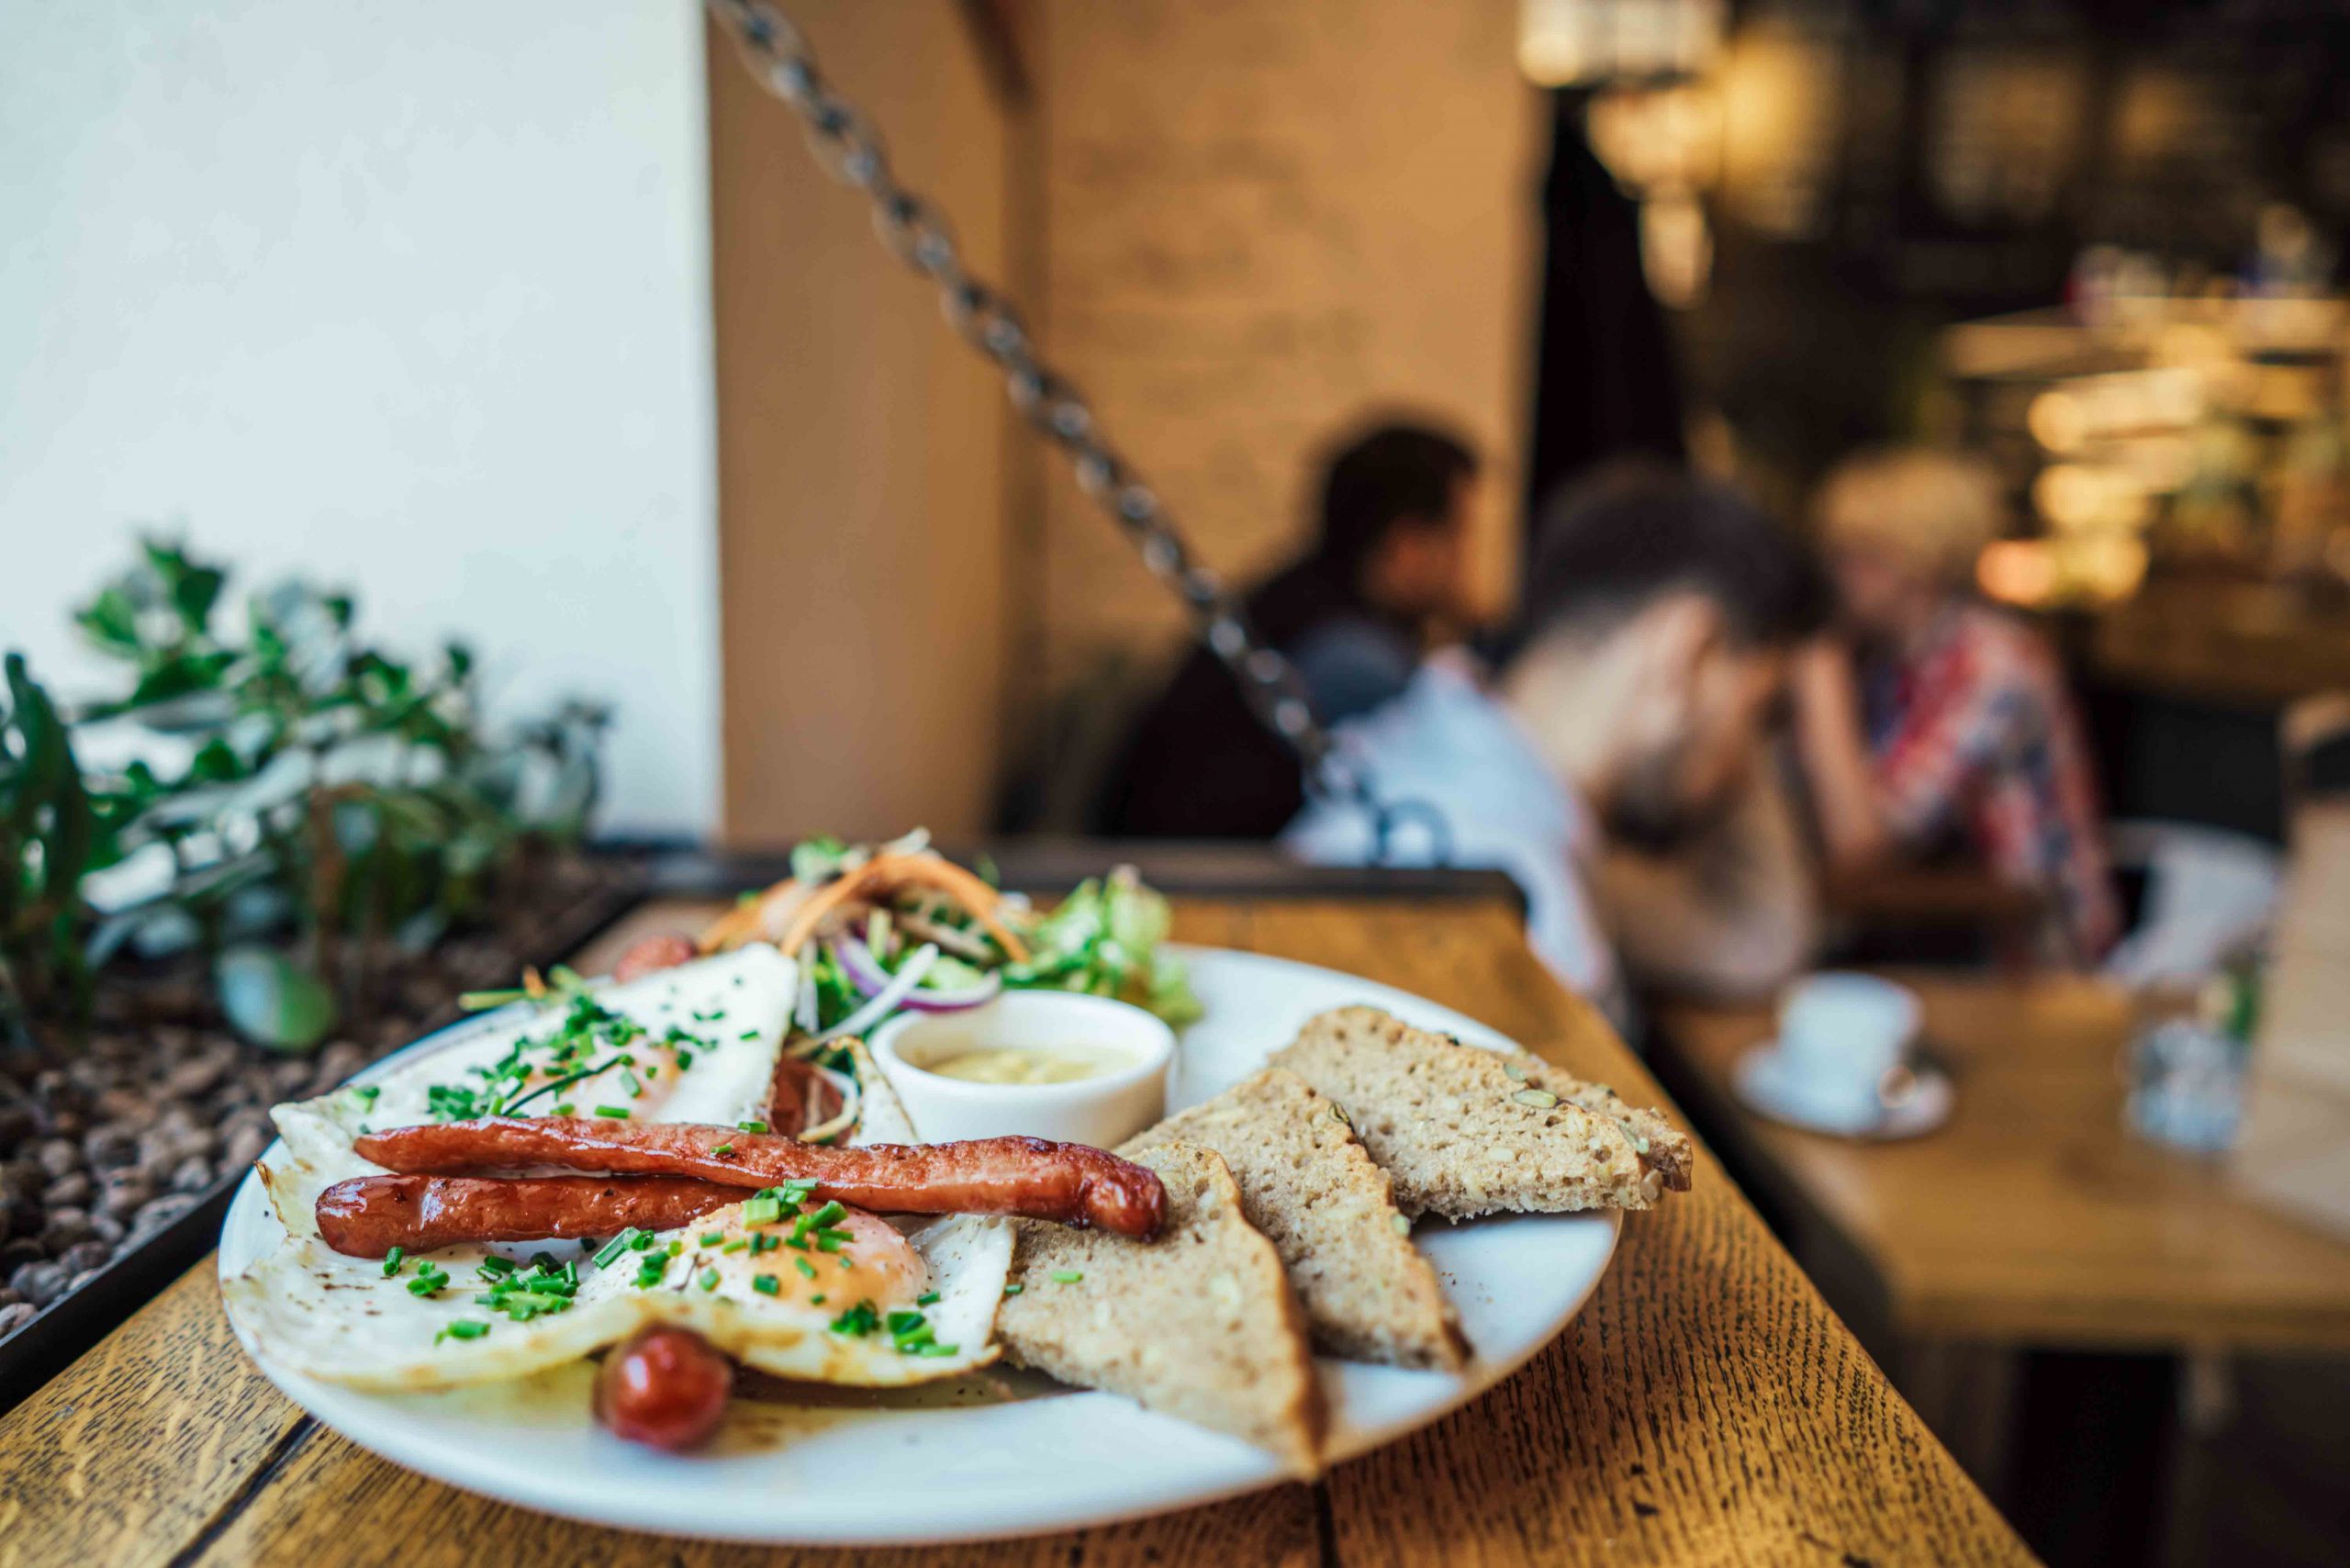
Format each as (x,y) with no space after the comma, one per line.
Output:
(884,1268)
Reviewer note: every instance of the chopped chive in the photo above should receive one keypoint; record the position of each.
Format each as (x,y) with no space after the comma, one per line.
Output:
(750,1033)
(677,1248)
(366,1093)
(710,1278)
(832,1213)
(762,1210)
(752,1127)
(392,1260)
(685,1059)
(846,1265)
(938,1350)
(832,1241)
(650,1272)
(1014,1288)
(712,1237)
(566,1108)
(736,1245)
(615,1247)
(816,1300)
(640,1240)
(723,1150)
(462,1328)
(495,1268)
(805,1267)
(766,1285)
(925,1298)
(1066,1276)
(860,1319)
(612,1112)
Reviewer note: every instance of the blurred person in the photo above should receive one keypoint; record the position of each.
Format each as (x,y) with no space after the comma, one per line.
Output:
(1629,709)
(1384,576)
(1936,724)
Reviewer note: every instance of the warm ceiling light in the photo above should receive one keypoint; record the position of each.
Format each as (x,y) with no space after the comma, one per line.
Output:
(1584,43)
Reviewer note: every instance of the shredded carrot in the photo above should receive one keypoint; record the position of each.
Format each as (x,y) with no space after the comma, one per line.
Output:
(881,875)
(886,873)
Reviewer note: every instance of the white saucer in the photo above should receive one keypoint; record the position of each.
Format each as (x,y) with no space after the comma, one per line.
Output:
(1761,1080)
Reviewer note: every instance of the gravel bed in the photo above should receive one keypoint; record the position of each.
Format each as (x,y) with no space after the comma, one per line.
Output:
(105,1142)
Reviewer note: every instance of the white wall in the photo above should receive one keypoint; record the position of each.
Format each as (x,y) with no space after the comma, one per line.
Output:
(414,298)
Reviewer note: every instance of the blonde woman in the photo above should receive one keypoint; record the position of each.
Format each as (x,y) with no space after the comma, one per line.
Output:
(1938,724)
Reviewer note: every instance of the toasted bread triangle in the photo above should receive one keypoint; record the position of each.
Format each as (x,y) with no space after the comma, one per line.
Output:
(1309,1184)
(1466,1132)
(1199,1324)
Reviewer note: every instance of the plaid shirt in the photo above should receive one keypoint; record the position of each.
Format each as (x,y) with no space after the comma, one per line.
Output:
(1977,744)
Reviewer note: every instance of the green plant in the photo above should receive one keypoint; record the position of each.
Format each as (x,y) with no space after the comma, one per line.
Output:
(49,830)
(299,803)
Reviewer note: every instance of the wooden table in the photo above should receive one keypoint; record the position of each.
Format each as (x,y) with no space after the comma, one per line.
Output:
(1704,1407)
(2034,1217)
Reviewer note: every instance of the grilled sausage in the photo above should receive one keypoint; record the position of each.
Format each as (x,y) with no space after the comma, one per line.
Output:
(666,1387)
(1024,1176)
(651,954)
(369,1215)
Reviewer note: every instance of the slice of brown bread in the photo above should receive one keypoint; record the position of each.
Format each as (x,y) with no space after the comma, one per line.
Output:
(1309,1184)
(1467,1132)
(1199,1324)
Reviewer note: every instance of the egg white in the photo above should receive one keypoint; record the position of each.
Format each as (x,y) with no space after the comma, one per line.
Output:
(340,1319)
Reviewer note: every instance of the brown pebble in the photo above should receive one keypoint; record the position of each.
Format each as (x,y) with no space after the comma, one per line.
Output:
(194,1175)
(40,1284)
(245,1146)
(196,1079)
(110,1146)
(124,1191)
(15,1316)
(66,1227)
(70,1191)
(58,1157)
(86,1256)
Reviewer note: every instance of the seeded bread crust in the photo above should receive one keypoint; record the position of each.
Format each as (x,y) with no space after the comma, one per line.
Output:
(1199,1324)
(1307,1182)
(1465,1132)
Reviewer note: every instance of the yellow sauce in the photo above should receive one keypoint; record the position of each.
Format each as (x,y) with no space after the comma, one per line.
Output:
(1028,1064)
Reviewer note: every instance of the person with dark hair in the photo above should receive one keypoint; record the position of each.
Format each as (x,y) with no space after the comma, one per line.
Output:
(1355,614)
(1628,708)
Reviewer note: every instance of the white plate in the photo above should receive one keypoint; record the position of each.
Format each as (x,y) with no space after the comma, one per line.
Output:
(873,1469)
(1763,1082)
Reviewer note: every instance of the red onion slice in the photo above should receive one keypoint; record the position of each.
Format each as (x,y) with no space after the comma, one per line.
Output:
(865,972)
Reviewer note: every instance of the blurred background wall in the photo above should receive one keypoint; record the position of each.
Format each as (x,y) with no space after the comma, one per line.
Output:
(1260,223)
(413,299)
(1237,227)
(862,447)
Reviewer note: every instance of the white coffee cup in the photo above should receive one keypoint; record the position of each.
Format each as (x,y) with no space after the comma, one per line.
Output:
(1841,1034)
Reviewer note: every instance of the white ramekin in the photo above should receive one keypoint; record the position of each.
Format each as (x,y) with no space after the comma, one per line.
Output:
(1103,1111)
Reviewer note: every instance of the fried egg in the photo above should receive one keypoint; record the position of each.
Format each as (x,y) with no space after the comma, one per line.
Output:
(891,1304)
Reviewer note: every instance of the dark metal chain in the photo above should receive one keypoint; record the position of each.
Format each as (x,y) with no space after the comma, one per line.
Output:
(850,150)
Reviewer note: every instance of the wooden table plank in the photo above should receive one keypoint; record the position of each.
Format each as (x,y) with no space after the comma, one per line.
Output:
(2034,1216)
(1704,1406)
(133,1453)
